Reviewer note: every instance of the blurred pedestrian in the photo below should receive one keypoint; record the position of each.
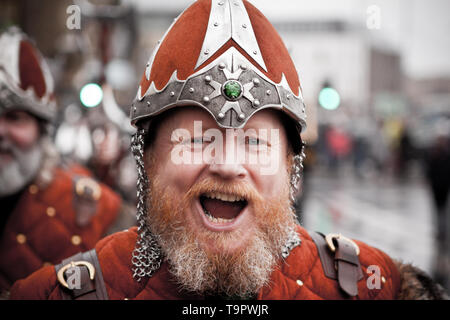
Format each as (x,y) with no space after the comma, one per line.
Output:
(405,153)
(437,163)
(111,160)
(379,149)
(339,145)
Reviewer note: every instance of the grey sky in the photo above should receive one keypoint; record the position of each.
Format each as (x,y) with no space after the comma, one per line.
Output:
(418,29)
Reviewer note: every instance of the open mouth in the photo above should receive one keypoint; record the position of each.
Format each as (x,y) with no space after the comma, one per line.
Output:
(221,208)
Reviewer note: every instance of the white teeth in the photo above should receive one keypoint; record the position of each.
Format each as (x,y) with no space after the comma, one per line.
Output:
(224,197)
(217,220)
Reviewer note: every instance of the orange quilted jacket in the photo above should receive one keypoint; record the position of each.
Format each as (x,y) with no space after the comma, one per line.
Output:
(43,229)
(300,276)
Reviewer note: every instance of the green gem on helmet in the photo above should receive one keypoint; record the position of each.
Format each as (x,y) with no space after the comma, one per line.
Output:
(232,90)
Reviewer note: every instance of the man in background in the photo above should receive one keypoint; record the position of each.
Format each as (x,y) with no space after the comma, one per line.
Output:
(49,210)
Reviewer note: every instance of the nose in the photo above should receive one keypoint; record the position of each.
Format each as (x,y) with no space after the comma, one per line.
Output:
(228,171)
(228,165)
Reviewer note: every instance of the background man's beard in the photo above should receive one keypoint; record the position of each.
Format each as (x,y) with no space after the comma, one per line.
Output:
(240,273)
(21,170)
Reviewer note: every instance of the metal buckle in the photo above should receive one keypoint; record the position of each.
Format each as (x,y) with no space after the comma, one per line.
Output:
(60,274)
(329,239)
(81,185)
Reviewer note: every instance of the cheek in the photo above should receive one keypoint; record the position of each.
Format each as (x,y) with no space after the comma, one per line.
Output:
(178,177)
(270,180)
(272,185)
(25,136)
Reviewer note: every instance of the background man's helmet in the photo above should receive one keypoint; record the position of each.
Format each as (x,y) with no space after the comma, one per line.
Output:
(25,79)
(223,56)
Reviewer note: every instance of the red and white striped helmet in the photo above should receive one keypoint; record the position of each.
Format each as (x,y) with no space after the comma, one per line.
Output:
(25,79)
(223,56)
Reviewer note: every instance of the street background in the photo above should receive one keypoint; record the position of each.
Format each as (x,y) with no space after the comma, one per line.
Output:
(376,81)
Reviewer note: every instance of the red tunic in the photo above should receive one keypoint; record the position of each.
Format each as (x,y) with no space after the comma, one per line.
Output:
(43,227)
(300,276)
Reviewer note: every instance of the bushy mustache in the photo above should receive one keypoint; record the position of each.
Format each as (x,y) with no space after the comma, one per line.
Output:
(241,189)
(7,146)
(23,168)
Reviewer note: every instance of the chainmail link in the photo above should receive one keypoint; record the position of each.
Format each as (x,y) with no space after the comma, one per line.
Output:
(146,257)
(292,242)
(296,174)
(297,169)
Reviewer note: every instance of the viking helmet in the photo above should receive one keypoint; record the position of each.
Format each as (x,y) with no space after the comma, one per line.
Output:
(223,56)
(25,79)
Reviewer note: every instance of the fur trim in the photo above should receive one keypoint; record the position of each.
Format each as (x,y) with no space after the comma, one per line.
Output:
(417,285)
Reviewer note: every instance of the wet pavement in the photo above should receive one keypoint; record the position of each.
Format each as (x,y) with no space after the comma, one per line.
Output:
(396,217)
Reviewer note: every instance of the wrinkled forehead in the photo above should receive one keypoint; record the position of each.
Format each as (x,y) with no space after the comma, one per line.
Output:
(186,117)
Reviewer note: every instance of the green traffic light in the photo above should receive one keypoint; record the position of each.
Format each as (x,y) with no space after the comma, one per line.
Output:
(329,98)
(91,95)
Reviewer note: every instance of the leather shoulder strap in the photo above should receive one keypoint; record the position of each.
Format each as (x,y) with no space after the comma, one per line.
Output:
(342,264)
(80,277)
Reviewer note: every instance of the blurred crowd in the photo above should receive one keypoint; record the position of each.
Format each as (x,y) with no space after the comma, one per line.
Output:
(386,147)
(391,151)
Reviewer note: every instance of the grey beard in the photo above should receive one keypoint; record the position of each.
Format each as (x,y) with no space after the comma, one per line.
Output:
(240,276)
(197,272)
(21,170)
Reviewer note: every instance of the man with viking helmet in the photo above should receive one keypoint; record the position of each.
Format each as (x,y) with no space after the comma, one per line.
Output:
(49,211)
(219,113)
